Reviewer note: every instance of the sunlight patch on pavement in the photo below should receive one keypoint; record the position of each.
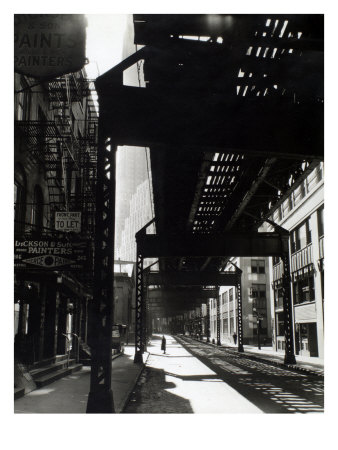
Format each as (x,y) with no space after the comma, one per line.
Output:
(41,391)
(192,380)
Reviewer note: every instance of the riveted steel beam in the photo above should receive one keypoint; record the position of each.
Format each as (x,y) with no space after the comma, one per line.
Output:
(182,278)
(172,116)
(227,244)
(100,398)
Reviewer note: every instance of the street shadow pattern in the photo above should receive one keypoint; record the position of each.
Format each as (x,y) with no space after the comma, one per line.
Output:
(272,389)
(151,396)
(166,355)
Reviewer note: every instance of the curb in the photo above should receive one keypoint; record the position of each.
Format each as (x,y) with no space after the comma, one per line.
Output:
(267,361)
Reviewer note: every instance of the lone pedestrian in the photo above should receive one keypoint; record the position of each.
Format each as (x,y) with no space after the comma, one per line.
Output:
(163,345)
(235,337)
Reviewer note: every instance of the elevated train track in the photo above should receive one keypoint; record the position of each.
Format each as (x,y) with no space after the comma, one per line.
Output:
(233,115)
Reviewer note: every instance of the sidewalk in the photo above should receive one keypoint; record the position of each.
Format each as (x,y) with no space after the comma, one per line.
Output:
(70,394)
(311,365)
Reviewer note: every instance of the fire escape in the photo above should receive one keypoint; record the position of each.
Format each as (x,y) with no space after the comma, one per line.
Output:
(64,147)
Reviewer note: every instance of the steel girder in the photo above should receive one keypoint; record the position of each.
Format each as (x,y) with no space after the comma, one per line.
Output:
(134,117)
(218,319)
(289,357)
(100,399)
(140,310)
(221,245)
(234,244)
(180,295)
(208,322)
(184,278)
(239,311)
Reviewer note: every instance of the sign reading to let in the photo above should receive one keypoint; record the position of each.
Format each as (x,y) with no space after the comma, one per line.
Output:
(49,45)
(68,221)
(50,254)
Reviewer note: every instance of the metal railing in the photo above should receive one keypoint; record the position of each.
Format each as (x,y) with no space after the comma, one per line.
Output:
(69,340)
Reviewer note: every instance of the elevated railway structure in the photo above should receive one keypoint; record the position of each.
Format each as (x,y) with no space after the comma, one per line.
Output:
(232,113)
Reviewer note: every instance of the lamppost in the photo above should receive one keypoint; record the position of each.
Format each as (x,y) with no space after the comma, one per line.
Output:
(258,320)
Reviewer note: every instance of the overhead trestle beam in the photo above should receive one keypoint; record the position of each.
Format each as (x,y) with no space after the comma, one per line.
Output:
(227,244)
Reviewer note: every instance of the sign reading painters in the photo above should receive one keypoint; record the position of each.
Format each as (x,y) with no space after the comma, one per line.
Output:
(68,221)
(49,45)
(50,254)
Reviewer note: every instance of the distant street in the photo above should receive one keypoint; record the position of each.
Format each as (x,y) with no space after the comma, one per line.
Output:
(196,378)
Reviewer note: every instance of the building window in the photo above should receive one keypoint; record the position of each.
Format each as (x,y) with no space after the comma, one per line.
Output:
(320,219)
(303,290)
(301,236)
(278,298)
(276,260)
(319,172)
(37,210)
(280,324)
(257,266)
(231,295)
(259,297)
(23,101)
(19,199)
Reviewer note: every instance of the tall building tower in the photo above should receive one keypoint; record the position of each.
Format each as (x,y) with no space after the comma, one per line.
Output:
(132,163)
(140,213)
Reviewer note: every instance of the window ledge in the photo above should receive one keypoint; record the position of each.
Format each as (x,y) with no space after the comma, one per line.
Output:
(304,303)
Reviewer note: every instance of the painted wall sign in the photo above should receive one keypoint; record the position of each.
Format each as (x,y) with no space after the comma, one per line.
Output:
(49,254)
(49,45)
(68,221)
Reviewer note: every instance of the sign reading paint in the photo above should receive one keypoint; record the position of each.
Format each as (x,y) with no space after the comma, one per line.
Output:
(50,254)
(49,45)
(68,221)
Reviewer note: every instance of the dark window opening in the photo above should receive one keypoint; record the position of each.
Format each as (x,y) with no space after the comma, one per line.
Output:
(280,324)
(37,210)
(320,218)
(301,236)
(257,266)
(303,290)
(19,199)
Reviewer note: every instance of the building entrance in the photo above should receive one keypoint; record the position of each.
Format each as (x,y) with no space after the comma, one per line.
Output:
(306,339)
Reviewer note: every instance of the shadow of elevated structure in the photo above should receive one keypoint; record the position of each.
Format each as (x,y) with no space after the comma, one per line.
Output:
(151,396)
(271,389)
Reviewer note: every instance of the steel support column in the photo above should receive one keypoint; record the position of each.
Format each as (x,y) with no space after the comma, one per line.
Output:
(139,313)
(239,311)
(100,399)
(200,328)
(208,321)
(218,319)
(145,315)
(287,306)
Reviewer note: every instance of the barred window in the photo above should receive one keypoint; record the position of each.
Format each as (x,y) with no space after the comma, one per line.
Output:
(257,266)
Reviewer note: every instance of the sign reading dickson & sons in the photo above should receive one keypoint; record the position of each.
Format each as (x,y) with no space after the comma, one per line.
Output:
(50,254)
(49,45)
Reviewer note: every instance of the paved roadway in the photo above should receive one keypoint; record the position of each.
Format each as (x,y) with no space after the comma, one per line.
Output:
(196,378)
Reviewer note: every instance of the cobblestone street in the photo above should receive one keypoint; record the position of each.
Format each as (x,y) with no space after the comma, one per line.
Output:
(193,377)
